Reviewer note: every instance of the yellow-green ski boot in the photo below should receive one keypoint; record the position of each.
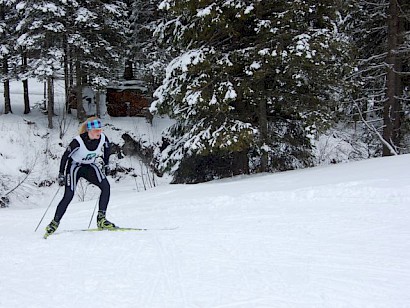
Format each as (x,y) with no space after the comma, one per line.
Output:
(103,223)
(51,228)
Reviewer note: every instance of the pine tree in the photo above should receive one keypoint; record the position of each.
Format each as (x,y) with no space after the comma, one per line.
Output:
(40,31)
(94,42)
(146,55)
(96,32)
(252,80)
(78,37)
(7,19)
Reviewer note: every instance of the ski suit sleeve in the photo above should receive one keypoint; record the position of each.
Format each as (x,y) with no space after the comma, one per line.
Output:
(107,151)
(72,147)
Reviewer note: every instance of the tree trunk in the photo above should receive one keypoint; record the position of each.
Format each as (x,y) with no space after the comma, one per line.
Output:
(391,107)
(398,111)
(263,127)
(70,73)
(79,91)
(70,68)
(26,97)
(45,95)
(128,71)
(97,102)
(66,77)
(50,102)
(25,85)
(6,83)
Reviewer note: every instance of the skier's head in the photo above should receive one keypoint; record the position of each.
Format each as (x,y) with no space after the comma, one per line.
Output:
(93,126)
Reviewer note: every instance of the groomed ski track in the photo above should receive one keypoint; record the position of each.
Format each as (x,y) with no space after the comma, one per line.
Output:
(333,236)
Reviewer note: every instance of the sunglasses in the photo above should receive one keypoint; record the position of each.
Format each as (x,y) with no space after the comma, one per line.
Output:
(95,124)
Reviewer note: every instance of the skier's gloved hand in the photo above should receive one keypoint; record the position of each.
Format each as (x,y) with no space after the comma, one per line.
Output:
(61,179)
(107,170)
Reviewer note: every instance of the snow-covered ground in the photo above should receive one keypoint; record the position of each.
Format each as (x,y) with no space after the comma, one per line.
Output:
(335,236)
(326,237)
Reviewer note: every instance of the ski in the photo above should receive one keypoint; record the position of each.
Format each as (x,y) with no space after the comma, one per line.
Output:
(113,229)
(122,229)
(118,229)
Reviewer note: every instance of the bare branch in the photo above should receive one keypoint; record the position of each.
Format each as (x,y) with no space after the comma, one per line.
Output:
(373,129)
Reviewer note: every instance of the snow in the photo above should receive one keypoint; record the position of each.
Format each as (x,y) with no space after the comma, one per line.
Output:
(334,236)
(178,66)
(84,15)
(191,57)
(165,5)
(230,92)
(263,52)
(249,9)
(253,67)
(45,8)
(205,11)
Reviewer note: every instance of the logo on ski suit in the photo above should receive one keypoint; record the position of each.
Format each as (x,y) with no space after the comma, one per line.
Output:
(90,156)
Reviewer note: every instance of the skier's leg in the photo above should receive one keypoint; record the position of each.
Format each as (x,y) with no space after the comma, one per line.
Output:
(96,177)
(71,179)
(102,221)
(72,176)
(62,206)
(105,195)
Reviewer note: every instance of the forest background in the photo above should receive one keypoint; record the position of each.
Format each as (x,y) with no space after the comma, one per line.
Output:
(250,86)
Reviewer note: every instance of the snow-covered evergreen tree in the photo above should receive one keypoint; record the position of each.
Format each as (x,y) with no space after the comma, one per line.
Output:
(7,41)
(40,33)
(147,56)
(84,37)
(95,33)
(252,80)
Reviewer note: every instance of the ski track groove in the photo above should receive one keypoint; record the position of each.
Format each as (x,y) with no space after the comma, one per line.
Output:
(154,289)
(179,273)
(170,259)
(248,265)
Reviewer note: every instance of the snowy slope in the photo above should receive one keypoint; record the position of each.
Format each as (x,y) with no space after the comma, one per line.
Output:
(333,236)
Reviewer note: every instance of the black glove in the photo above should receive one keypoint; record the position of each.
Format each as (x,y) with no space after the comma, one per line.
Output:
(61,179)
(107,170)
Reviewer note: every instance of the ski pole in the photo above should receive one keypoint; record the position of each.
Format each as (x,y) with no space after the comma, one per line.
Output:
(92,216)
(47,208)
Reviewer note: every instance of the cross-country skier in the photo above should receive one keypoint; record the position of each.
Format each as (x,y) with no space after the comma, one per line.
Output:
(79,162)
